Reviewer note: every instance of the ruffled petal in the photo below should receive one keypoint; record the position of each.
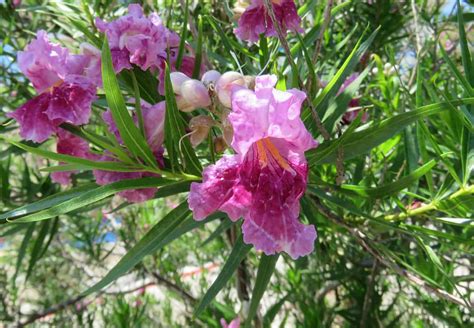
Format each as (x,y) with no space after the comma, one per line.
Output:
(71,102)
(268,112)
(136,39)
(219,191)
(288,235)
(43,63)
(256,20)
(276,185)
(35,124)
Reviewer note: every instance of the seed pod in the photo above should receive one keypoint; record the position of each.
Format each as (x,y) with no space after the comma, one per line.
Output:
(200,126)
(219,145)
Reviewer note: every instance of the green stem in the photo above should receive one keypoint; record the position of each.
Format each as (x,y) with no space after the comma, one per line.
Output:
(428,207)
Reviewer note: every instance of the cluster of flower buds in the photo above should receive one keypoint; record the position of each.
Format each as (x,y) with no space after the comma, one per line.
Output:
(212,92)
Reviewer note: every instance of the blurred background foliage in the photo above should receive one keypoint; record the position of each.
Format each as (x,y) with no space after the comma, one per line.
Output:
(395,242)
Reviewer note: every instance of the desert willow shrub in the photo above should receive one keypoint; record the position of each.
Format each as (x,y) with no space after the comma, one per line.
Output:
(282,140)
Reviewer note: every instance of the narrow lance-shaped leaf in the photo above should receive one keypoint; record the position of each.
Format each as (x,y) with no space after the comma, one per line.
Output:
(238,253)
(265,272)
(363,141)
(92,196)
(393,187)
(84,163)
(175,224)
(130,134)
(175,140)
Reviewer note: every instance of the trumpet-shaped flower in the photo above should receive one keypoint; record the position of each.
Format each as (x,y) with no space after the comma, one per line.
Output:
(143,41)
(137,39)
(256,20)
(265,180)
(65,95)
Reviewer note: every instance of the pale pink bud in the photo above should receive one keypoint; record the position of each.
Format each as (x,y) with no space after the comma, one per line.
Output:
(177,80)
(195,94)
(210,77)
(200,126)
(225,84)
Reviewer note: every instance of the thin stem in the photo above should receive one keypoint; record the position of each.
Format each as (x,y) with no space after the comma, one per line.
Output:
(428,207)
(365,242)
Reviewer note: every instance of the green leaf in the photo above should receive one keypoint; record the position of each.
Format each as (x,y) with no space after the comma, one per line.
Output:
(198,55)
(393,187)
(47,202)
(130,134)
(37,247)
(84,163)
(147,245)
(23,248)
(175,224)
(183,36)
(322,100)
(239,252)
(90,197)
(264,274)
(363,141)
(175,140)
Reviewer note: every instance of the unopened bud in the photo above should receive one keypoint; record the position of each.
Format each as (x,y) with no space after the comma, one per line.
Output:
(225,84)
(195,94)
(200,126)
(210,77)
(177,80)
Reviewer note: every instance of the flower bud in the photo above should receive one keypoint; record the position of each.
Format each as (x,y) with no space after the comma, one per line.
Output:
(210,77)
(200,126)
(195,93)
(177,80)
(225,84)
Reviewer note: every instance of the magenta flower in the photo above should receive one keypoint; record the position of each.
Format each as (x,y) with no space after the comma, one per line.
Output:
(154,120)
(65,94)
(69,144)
(256,20)
(265,180)
(138,39)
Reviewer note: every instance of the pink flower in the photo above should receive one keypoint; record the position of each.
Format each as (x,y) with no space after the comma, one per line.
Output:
(265,180)
(65,94)
(69,144)
(256,20)
(154,118)
(143,41)
(233,324)
(137,39)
